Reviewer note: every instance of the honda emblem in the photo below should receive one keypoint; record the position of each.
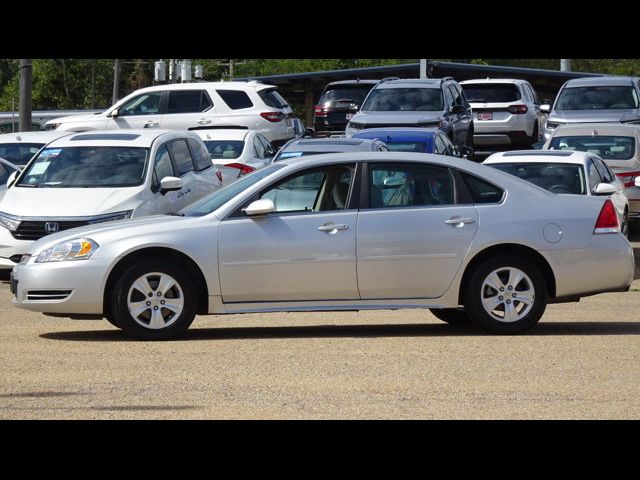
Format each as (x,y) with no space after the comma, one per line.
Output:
(51,227)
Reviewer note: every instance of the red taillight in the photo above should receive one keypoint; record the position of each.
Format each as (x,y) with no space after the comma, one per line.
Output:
(219,175)
(628,178)
(242,167)
(321,110)
(518,109)
(608,219)
(272,116)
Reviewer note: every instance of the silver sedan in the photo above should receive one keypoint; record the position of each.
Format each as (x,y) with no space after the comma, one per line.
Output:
(351,231)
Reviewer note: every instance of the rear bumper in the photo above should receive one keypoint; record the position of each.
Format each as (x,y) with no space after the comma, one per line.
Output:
(518,137)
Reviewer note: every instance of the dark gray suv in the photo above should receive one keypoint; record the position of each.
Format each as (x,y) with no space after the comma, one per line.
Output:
(424,102)
(595,99)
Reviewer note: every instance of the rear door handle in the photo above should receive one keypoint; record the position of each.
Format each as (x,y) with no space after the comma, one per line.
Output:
(332,228)
(150,123)
(204,121)
(459,221)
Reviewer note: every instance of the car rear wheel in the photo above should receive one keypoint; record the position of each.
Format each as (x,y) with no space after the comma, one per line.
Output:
(454,316)
(153,300)
(506,295)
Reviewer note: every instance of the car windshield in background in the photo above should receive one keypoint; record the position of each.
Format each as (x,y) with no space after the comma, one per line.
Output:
(555,177)
(79,167)
(597,98)
(19,153)
(607,147)
(212,202)
(407,146)
(404,99)
(350,94)
(491,92)
(225,148)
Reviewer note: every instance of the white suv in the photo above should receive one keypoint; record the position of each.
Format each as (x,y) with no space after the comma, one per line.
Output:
(505,111)
(102,176)
(187,106)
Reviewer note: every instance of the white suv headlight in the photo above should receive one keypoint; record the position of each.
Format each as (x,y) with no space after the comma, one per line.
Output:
(9,221)
(76,249)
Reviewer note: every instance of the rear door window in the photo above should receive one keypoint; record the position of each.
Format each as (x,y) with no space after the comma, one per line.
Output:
(481,191)
(188,101)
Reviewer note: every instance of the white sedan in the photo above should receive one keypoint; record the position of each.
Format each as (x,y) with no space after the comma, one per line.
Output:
(236,151)
(566,172)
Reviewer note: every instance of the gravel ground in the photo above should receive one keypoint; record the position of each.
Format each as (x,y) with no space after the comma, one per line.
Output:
(580,362)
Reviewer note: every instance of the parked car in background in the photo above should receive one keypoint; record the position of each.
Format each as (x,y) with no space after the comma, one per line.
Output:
(18,148)
(615,143)
(318,146)
(236,152)
(102,176)
(566,172)
(417,102)
(506,111)
(6,169)
(183,106)
(595,100)
(10,123)
(338,103)
(408,139)
(470,243)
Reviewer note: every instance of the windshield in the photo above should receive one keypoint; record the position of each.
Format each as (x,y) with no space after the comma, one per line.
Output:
(19,153)
(597,98)
(80,167)
(407,147)
(607,147)
(350,94)
(212,202)
(491,92)
(555,177)
(225,148)
(404,99)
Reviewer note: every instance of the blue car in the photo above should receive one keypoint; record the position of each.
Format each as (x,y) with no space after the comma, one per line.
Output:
(409,139)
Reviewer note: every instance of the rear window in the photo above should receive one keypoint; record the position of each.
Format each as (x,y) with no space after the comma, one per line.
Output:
(491,92)
(227,149)
(235,99)
(345,94)
(272,98)
(606,147)
(552,176)
(404,99)
(19,154)
(597,98)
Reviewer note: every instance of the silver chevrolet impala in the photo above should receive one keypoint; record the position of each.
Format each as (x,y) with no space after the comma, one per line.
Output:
(350,231)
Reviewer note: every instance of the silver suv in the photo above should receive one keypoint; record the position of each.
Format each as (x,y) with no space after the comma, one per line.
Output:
(595,100)
(187,106)
(505,111)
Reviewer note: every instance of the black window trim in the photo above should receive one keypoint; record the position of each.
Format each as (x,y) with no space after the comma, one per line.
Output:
(173,161)
(466,194)
(195,163)
(156,188)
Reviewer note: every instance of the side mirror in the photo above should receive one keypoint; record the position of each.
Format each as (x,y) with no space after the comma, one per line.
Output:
(114,113)
(14,175)
(309,132)
(637,182)
(546,108)
(169,184)
(457,109)
(466,152)
(604,189)
(260,207)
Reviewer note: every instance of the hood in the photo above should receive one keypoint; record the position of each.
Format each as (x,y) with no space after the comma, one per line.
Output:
(396,118)
(67,202)
(593,116)
(79,118)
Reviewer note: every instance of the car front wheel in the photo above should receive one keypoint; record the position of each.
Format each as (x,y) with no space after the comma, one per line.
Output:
(506,295)
(153,300)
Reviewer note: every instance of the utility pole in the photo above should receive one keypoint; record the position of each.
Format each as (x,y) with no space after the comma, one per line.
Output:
(565,65)
(93,83)
(25,95)
(231,65)
(423,68)
(116,80)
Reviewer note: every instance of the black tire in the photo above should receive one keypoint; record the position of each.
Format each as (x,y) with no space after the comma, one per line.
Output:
(469,141)
(182,290)
(624,228)
(534,135)
(453,316)
(527,315)
(112,321)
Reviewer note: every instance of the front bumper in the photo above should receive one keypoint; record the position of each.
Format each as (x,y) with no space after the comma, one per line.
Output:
(11,248)
(84,280)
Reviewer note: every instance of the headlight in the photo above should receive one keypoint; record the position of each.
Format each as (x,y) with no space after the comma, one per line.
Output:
(355,126)
(51,126)
(552,124)
(437,124)
(9,222)
(635,121)
(111,217)
(76,249)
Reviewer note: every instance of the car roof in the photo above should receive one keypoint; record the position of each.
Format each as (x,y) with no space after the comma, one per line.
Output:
(32,137)
(353,82)
(539,156)
(222,134)
(600,129)
(203,85)
(118,138)
(492,80)
(329,145)
(599,81)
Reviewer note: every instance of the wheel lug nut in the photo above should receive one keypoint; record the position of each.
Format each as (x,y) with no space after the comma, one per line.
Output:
(510,288)
(502,289)
(161,302)
(513,295)
(155,308)
(151,294)
(501,298)
(148,304)
(508,301)
(159,294)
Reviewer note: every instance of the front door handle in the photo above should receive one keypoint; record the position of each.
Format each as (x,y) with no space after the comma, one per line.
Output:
(332,228)
(204,121)
(150,123)
(459,221)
